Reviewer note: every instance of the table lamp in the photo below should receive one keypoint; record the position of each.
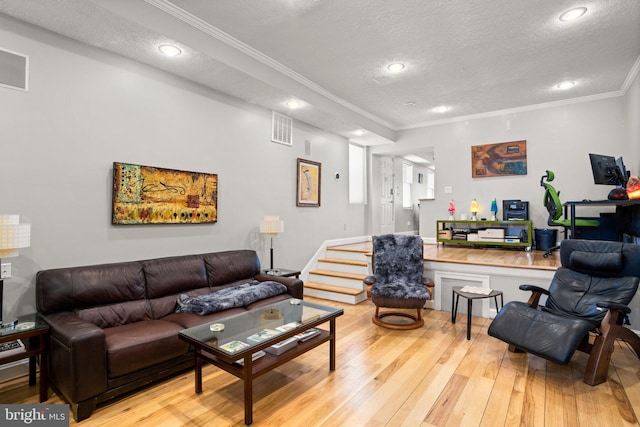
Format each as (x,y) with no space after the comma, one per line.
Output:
(13,236)
(474,210)
(271,226)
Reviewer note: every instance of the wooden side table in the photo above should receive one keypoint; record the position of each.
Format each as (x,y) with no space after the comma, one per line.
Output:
(34,334)
(470,296)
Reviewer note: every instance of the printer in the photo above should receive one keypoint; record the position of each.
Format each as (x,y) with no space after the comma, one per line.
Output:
(515,210)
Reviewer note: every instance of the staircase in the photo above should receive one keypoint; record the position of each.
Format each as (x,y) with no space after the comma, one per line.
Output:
(339,275)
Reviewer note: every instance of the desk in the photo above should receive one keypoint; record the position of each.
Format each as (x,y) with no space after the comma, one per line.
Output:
(619,205)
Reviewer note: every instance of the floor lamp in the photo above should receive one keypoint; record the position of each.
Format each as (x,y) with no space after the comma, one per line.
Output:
(13,236)
(271,226)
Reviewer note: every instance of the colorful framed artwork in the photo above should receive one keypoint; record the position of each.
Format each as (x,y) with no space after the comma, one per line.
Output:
(151,195)
(308,183)
(502,159)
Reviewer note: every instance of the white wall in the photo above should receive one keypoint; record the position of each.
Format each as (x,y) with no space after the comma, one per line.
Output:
(87,108)
(558,139)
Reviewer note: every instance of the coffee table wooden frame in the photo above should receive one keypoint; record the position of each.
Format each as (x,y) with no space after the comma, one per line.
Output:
(254,368)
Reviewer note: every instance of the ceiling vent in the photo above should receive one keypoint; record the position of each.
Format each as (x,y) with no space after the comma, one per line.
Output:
(281,129)
(14,70)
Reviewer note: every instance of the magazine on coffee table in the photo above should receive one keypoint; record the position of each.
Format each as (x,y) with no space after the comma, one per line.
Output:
(307,335)
(234,346)
(262,336)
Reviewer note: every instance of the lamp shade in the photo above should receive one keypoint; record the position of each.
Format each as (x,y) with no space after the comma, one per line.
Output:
(271,226)
(13,235)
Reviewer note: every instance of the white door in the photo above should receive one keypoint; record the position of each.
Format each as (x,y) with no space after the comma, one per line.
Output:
(387,223)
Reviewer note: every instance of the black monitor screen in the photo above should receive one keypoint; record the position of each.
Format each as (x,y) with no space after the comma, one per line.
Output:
(624,175)
(605,170)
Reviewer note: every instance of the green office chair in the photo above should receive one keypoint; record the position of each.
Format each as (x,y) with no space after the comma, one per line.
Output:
(554,207)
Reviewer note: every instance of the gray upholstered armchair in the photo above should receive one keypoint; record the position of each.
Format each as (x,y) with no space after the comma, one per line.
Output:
(397,280)
(586,307)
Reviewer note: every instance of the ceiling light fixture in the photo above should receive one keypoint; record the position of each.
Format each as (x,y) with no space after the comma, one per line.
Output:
(572,14)
(396,67)
(359,132)
(565,85)
(169,50)
(294,103)
(441,109)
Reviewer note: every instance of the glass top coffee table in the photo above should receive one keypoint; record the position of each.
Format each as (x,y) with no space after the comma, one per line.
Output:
(253,343)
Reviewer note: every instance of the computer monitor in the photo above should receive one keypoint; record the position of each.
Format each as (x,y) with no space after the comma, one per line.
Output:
(605,170)
(624,175)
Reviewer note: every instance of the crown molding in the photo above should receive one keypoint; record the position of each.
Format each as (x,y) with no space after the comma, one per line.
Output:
(197,23)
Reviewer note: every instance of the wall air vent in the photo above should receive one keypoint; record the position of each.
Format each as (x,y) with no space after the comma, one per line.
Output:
(281,129)
(14,70)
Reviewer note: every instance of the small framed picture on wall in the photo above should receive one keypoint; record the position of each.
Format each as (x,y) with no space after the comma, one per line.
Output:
(308,183)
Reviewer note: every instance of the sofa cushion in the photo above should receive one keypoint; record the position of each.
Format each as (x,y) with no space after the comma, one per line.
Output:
(65,289)
(107,316)
(142,344)
(166,305)
(166,276)
(237,296)
(231,266)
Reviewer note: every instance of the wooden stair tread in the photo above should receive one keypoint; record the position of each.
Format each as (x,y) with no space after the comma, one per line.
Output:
(344,261)
(354,276)
(332,288)
(359,248)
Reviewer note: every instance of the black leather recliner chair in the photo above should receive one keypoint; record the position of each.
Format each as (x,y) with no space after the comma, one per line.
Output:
(586,307)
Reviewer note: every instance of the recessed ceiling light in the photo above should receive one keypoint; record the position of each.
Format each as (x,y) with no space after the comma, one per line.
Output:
(396,67)
(441,109)
(169,50)
(294,103)
(565,85)
(572,14)
(359,132)
(410,104)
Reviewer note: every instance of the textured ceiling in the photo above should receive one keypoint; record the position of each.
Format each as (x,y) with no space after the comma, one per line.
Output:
(477,57)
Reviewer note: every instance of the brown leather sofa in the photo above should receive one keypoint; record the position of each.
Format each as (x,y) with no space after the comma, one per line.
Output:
(114,327)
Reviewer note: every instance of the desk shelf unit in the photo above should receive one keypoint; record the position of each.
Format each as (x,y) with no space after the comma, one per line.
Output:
(517,233)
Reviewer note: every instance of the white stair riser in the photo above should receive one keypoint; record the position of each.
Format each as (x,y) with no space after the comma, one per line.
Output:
(336,281)
(343,268)
(335,296)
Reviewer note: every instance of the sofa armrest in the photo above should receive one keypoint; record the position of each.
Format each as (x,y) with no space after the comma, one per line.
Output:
(294,286)
(77,356)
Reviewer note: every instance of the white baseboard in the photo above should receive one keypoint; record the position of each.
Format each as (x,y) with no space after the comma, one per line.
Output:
(12,370)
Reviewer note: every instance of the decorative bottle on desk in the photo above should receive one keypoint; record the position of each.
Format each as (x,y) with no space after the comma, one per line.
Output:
(494,209)
(474,210)
(452,210)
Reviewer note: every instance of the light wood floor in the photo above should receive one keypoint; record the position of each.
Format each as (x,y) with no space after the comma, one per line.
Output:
(431,376)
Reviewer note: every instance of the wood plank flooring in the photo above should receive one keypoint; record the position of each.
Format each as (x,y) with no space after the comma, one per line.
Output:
(431,376)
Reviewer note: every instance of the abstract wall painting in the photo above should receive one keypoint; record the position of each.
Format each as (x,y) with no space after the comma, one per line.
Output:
(151,195)
(308,183)
(502,159)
